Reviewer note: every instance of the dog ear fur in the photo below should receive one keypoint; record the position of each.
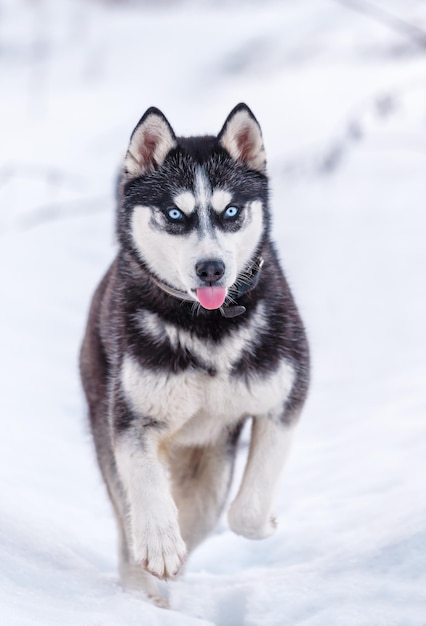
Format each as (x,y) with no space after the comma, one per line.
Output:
(151,141)
(242,138)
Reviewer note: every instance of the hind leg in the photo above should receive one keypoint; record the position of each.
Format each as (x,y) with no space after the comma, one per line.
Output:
(201,478)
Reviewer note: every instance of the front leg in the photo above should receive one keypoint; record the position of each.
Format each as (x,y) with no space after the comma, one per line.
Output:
(250,513)
(156,541)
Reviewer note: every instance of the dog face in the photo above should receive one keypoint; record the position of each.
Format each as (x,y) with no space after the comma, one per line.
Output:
(194,210)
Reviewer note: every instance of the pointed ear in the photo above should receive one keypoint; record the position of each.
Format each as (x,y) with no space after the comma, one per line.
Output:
(242,138)
(151,141)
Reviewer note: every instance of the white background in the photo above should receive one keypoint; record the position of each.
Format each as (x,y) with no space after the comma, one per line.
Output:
(341,98)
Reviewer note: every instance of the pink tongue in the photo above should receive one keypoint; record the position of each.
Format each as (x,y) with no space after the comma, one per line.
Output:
(211,297)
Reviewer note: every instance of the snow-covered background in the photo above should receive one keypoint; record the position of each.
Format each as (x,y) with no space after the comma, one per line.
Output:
(341,97)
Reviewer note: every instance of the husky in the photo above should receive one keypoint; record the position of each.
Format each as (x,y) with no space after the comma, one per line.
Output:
(192,331)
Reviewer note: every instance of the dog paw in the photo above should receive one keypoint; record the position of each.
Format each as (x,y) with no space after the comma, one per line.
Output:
(161,551)
(249,523)
(159,601)
(134,578)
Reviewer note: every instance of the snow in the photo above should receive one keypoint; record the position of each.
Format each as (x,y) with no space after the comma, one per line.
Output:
(342,102)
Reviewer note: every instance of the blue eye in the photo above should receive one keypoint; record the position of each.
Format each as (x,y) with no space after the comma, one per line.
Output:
(175,215)
(231,212)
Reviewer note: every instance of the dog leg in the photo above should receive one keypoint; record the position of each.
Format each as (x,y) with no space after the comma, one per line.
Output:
(250,512)
(132,576)
(156,542)
(201,478)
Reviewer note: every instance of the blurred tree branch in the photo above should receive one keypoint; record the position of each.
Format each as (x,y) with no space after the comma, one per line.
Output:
(370,9)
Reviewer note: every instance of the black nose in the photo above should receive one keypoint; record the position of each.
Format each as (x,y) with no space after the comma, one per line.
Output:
(211,270)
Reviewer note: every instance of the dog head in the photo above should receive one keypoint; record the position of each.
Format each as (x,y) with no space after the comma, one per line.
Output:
(194,210)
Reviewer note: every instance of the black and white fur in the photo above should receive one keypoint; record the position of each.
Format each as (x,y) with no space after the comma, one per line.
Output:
(169,384)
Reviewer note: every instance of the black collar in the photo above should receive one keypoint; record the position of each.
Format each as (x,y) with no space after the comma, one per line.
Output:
(246,281)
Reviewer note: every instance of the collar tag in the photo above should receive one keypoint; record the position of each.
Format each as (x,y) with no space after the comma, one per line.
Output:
(232,311)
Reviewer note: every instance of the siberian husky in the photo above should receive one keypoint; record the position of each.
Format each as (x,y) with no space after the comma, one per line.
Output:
(192,331)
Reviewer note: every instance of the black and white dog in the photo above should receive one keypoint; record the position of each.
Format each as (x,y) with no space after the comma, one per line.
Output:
(192,331)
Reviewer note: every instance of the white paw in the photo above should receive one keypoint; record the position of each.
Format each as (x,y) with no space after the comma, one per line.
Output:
(159,548)
(249,522)
(136,579)
(159,601)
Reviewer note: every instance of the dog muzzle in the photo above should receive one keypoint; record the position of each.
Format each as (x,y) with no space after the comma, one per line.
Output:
(212,298)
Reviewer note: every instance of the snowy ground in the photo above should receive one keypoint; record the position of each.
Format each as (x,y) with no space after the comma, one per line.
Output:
(342,102)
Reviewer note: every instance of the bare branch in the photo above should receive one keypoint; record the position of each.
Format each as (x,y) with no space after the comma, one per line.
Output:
(413,32)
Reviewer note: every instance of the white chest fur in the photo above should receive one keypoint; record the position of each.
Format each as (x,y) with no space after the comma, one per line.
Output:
(193,405)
